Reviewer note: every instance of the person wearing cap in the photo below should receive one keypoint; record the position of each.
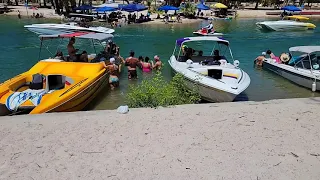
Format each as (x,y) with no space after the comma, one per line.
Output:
(113,73)
(259,59)
(132,63)
(184,49)
(157,65)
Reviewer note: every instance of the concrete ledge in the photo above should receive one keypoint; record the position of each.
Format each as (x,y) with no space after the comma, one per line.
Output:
(276,139)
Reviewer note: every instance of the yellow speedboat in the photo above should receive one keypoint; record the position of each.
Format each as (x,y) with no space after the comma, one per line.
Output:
(53,86)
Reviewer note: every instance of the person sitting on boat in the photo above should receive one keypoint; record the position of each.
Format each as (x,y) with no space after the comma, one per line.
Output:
(259,59)
(214,60)
(113,73)
(210,28)
(200,53)
(158,63)
(83,57)
(111,48)
(285,58)
(184,49)
(59,55)
(71,50)
(272,56)
(132,64)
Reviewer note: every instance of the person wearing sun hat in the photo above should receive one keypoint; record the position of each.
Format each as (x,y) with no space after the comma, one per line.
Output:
(284,57)
(259,59)
(157,65)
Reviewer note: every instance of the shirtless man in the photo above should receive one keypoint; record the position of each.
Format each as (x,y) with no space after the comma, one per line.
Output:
(132,64)
(71,50)
(158,63)
(259,59)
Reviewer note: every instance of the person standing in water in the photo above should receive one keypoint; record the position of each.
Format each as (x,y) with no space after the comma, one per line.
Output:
(132,64)
(145,65)
(19,15)
(259,59)
(113,73)
(158,64)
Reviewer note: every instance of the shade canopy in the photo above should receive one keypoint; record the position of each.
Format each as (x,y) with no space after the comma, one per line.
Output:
(305,49)
(134,7)
(82,35)
(84,7)
(181,41)
(219,6)
(168,8)
(290,8)
(202,7)
(105,9)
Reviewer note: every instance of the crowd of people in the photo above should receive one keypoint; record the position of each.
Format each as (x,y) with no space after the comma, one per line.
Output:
(133,64)
(132,18)
(113,61)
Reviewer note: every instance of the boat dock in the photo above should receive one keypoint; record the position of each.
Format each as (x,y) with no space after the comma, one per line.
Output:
(277,139)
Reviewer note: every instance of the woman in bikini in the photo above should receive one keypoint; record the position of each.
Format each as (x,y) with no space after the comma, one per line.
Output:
(146,66)
(113,73)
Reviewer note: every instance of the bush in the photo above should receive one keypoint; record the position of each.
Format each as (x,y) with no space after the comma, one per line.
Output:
(155,91)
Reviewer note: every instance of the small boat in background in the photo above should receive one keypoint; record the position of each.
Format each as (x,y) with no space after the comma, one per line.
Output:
(204,32)
(50,29)
(303,70)
(217,78)
(54,85)
(289,23)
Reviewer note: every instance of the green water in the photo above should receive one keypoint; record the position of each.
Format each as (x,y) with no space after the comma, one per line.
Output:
(20,50)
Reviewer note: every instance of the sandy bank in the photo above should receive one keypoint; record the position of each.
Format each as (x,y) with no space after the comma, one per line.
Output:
(276,139)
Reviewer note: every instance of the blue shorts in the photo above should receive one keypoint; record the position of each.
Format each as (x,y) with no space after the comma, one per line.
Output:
(113,79)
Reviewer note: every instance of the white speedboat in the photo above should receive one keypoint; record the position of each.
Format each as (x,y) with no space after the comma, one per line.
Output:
(52,29)
(204,32)
(289,23)
(217,79)
(303,70)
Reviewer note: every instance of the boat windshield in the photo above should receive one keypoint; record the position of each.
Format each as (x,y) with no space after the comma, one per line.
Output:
(199,51)
(58,47)
(306,61)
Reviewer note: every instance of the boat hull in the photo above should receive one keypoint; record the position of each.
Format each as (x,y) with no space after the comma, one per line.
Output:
(285,26)
(294,77)
(53,29)
(46,31)
(209,93)
(83,98)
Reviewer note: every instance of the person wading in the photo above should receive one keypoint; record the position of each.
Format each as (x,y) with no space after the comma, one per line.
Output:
(132,63)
